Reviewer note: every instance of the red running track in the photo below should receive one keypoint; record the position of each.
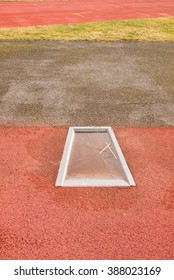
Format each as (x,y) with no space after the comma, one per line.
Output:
(40,221)
(18,14)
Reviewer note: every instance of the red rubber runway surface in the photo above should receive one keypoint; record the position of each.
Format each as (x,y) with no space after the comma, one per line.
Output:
(77,11)
(40,221)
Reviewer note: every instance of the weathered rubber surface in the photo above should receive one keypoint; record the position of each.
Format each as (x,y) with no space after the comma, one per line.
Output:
(87,83)
(40,221)
(18,14)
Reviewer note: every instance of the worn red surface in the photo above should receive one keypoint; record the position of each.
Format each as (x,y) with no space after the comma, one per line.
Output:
(40,221)
(76,11)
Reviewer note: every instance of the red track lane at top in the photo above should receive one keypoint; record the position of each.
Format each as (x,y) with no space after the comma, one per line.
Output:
(20,14)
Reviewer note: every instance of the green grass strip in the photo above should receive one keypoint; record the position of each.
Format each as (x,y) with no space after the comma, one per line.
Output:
(161,29)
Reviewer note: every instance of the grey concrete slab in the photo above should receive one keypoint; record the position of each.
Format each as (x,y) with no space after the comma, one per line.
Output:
(87,83)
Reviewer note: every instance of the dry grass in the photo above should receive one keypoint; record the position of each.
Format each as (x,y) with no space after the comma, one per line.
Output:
(161,29)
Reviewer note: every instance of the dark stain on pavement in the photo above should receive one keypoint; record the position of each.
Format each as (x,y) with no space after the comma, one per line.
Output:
(33,110)
(4,87)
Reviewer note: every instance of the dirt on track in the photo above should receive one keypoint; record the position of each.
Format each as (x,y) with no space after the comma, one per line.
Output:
(86,83)
(20,14)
